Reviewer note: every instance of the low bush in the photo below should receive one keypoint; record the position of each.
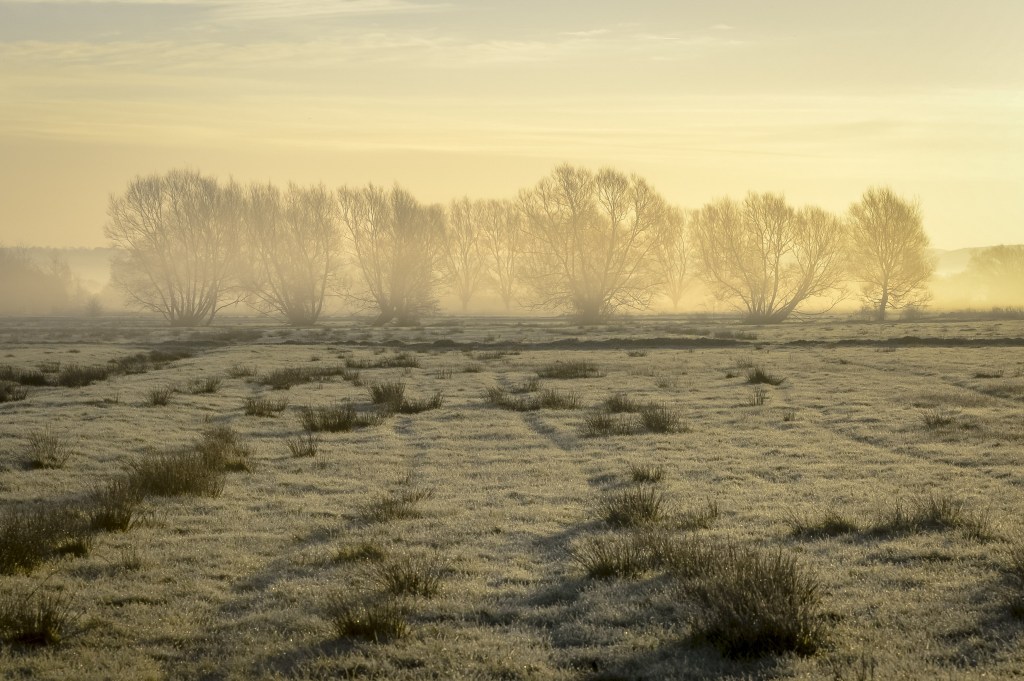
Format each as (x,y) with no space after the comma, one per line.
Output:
(370,619)
(409,576)
(264,406)
(757,374)
(570,370)
(35,617)
(47,449)
(633,507)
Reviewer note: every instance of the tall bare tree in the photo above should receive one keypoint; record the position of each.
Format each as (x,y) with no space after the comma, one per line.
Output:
(672,254)
(464,264)
(590,237)
(889,251)
(178,241)
(767,258)
(503,243)
(397,243)
(293,244)
(999,272)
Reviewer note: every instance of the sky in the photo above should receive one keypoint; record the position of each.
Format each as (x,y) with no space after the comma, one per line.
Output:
(817,99)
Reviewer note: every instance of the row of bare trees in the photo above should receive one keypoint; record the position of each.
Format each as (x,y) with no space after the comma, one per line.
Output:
(585,242)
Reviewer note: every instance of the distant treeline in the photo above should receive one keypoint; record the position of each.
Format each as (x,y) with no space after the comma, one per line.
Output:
(583,242)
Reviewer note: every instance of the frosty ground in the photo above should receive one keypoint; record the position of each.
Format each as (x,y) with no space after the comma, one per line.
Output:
(868,421)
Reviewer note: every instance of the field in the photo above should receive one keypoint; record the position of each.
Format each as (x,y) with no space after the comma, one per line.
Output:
(513,499)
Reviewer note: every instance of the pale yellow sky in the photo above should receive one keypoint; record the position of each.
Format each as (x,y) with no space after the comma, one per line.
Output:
(815,99)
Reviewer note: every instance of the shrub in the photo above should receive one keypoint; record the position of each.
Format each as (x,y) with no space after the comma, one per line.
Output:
(389,394)
(934,513)
(32,377)
(829,524)
(658,418)
(176,474)
(621,403)
(114,508)
(377,619)
(159,397)
(304,445)
(409,575)
(35,617)
(624,557)
(340,417)
(399,505)
(264,406)
(754,603)
(47,449)
(604,425)
(223,449)
(570,369)
(12,392)
(31,535)
(633,507)
(204,386)
(639,472)
(75,376)
(757,374)
(241,371)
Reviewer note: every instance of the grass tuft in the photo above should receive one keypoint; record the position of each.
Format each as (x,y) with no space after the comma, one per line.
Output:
(641,472)
(75,376)
(36,618)
(615,556)
(159,397)
(633,507)
(47,449)
(222,448)
(337,418)
(114,508)
(758,374)
(377,619)
(176,474)
(264,406)
(409,575)
(304,445)
(545,399)
(12,392)
(204,386)
(935,513)
(569,370)
(31,535)
(400,505)
(831,523)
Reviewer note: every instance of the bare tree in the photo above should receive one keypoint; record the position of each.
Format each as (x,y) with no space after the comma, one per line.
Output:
(589,241)
(672,254)
(464,263)
(503,243)
(767,258)
(397,243)
(889,251)
(293,244)
(179,246)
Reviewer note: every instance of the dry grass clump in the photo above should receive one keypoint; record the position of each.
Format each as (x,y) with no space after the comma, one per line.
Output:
(159,397)
(751,602)
(1016,573)
(47,449)
(32,377)
(76,376)
(12,392)
(33,617)
(614,556)
(362,551)
(241,371)
(570,369)
(758,374)
(657,418)
(176,474)
(391,395)
(938,418)
(266,407)
(758,396)
(378,619)
(642,505)
(222,448)
(115,507)
(32,534)
(304,445)
(400,360)
(399,505)
(409,575)
(646,472)
(935,513)
(700,518)
(337,418)
(287,377)
(530,385)
(606,425)
(545,399)
(831,523)
(620,403)
(204,386)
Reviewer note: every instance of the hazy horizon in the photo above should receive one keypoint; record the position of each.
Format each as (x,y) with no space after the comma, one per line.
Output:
(482,99)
